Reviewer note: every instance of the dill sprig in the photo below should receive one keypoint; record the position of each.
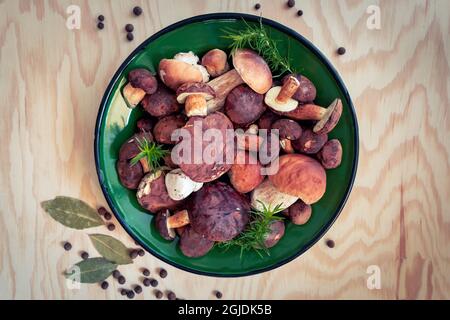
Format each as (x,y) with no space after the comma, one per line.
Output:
(258,39)
(152,152)
(256,232)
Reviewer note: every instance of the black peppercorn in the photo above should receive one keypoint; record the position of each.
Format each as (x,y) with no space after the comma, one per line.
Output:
(341,51)
(158,294)
(154,283)
(137,11)
(130,36)
(107,216)
(124,292)
(291,3)
(121,279)
(300,13)
(257,6)
(84,255)
(171,295)
(330,243)
(163,273)
(111,227)
(138,289)
(130,294)
(100,25)
(105,285)
(129,28)
(133,254)
(146,272)
(146,282)
(116,274)
(141,252)
(67,246)
(218,294)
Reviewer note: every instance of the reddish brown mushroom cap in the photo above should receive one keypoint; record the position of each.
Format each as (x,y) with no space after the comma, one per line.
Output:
(306,92)
(194,245)
(143,79)
(301,176)
(253,69)
(197,88)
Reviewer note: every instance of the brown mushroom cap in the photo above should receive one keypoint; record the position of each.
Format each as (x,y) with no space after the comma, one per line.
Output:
(162,103)
(218,212)
(198,88)
(143,79)
(299,213)
(130,148)
(276,232)
(194,245)
(174,73)
(331,154)
(310,142)
(306,92)
(330,119)
(244,106)
(288,129)
(215,61)
(253,69)
(300,176)
(162,227)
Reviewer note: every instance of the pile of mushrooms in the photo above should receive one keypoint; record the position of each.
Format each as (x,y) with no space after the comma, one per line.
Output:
(204,203)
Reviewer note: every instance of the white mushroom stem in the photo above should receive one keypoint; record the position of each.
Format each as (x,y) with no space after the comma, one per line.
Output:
(179,186)
(178,220)
(196,105)
(222,86)
(266,194)
(288,89)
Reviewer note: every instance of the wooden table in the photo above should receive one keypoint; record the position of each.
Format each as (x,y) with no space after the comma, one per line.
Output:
(397,218)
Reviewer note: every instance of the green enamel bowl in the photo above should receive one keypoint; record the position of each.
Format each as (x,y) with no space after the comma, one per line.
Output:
(116,123)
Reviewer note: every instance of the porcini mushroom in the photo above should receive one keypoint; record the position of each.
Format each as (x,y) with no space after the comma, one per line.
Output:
(280,98)
(195,96)
(193,244)
(180,186)
(299,213)
(331,154)
(193,59)
(163,227)
(300,176)
(141,83)
(215,62)
(266,195)
(246,172)
(250,68)
(288,130)
(310,142)
(306,92)
(162,103)
(174,73)
(244,106)
(276,232)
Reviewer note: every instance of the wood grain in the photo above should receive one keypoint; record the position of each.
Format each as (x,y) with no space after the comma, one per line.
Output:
(51,83)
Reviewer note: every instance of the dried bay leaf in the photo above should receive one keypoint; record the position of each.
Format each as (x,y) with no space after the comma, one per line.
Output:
(111,248)
(72,213)
(91,270)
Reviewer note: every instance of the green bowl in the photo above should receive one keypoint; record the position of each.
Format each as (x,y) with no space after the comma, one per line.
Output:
(116,123)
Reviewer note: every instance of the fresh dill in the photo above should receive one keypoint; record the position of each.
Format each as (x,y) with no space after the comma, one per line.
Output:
(255,234)
(152,152)
(258,39)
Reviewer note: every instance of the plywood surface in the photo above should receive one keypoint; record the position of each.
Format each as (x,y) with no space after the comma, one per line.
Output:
(397,218)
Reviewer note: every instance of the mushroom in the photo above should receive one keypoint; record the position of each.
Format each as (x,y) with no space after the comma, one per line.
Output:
(331,154)
(267,119)
(174,73)
(306,91)
(179,186)
(300,176)
(280,98)
(327,118)
(141,83)
(267,195)
(193,244)
(310,142)
(218,212)
(249,140)
(250,68)
(244,106)
(288,130)
(275,233)
(192,59)
(152,194)
(245,174)
(163,227)
(195,96)
(299,213)
(166,126)
(162,103)
(215,62)
(145,124)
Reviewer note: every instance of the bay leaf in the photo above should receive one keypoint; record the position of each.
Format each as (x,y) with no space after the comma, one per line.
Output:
(91,270)
(72,213)
(111,248)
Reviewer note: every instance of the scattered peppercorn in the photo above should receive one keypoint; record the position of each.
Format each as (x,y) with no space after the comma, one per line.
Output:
(67,246)
(130,36)
(111,227)
(105,285)
(171,295)
(137,11)
(330,243)
(141,252)
(341,51)
(130,294)
(129,28)
(146,272)
(146,282)
(101,211)
(123,292)
(121,279)
(133,254)
(107,216)
(154,283)
(116,274)
(257,6)
(84,255)
(101,18)
(300,13)
(218,294)
(291,3)
(163,273)
(100,25)
(158,294)
(138,289)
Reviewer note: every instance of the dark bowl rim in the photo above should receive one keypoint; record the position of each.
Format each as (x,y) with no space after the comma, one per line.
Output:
(217,16)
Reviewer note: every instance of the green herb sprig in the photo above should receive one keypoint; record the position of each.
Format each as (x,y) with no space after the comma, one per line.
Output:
(255,234)
(152,152)
(258,39)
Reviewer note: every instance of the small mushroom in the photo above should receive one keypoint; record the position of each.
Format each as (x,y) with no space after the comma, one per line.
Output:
(331,154)
(267,195)
(244,106)
(195,96)
(141,83)
(179,186)
(193,244)
(145,124)
(310,142)
(174,73)
(306,91)
(276,232)
(166,126)
(245,174)
(163,227)
(215,62)
(162,103)
(267,119)
(288,130)
(299,213)
(192,59)
(300,176)
(250,68)
(280,98)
